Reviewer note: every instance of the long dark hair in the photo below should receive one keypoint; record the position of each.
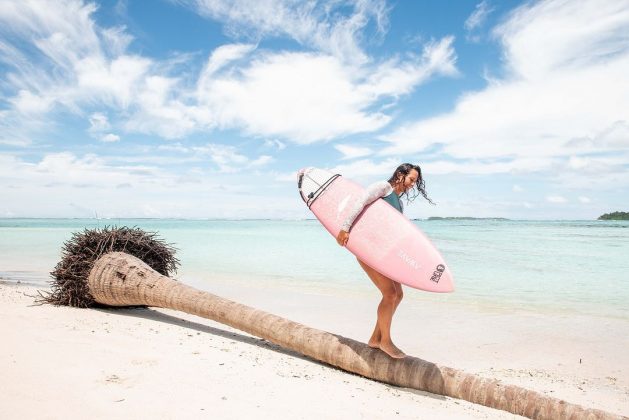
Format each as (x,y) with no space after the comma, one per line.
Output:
(420,186)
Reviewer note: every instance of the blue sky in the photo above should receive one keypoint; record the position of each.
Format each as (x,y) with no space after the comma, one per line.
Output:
(206,109)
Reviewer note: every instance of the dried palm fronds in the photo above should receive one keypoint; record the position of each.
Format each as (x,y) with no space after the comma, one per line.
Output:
(69,285)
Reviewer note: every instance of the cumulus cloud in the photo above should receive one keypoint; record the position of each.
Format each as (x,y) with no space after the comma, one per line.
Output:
(299,96)
(308,97)
(331,89)
(99,125)
(26,102)
(110,138)
(565,93)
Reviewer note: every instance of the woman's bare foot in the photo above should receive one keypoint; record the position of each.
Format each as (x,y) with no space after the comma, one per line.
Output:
(374,341)
(392,350)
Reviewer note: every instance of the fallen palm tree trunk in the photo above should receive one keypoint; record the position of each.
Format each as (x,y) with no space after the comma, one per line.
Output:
(119,279)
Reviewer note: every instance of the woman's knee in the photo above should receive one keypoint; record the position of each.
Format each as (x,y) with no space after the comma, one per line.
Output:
(390,295)
(399,294)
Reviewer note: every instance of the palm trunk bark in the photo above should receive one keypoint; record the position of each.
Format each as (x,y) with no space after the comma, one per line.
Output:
(119,279)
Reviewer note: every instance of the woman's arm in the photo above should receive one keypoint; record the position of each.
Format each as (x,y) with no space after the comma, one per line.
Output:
(371,194)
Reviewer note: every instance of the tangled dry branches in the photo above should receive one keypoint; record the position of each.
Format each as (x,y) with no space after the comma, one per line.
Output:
(69,284)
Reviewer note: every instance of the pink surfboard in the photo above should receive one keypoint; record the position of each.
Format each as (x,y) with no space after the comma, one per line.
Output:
(381,236)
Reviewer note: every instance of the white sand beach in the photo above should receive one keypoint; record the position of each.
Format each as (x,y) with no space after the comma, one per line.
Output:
(60,362)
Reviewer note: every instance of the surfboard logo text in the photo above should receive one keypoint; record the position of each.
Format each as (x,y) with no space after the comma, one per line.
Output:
(408,260)
(436,275)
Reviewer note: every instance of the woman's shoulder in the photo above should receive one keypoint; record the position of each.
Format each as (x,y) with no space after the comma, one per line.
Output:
(381,187)
(380,184)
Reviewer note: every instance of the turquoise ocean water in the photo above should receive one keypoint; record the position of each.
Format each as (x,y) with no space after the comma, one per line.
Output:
(555,266)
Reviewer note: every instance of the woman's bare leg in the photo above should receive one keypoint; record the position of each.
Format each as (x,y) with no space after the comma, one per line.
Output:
(376,336)
(391,297)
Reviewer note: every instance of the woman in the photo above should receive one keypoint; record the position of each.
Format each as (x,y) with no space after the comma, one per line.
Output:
(406,179)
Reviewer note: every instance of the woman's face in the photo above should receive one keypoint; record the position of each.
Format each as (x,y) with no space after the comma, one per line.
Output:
(410,180)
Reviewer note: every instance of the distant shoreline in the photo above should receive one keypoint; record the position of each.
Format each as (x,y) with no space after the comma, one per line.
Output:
(617,215)
(465,218)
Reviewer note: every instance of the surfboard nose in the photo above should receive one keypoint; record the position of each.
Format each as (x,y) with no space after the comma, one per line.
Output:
(302,171)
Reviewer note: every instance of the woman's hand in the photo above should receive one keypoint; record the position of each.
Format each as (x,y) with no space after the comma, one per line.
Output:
(342,238)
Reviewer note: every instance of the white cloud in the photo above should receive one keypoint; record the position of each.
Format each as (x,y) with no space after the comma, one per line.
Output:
(66,22)
(488,167)
(261,161)
(302,97)
(99,122)
(70,58)
(330,26)
(110,138)
(67,169)
(227,158)
(78,186)
(275,143)
(395,77)
(115,82)
(175,147)
(565,92)
(614,136)
(116,39)
(221,57)
(605,172)
(366,171)
(584,200)
(517,189)
(556,199)
(548,37)
(28,103)
(59,58)
(299,96)
(352,152)
(308,97)
(160,109)
(15,142)
(477,19)
(577,163)
(612,179)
